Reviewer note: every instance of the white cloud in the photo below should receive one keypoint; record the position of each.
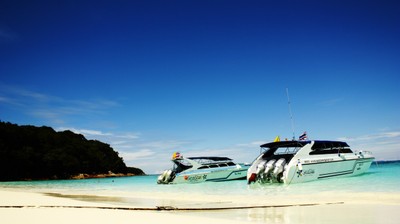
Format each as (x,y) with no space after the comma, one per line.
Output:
(331,102)
(93,132)
(129,136)
(6,35)
(7,100)
(167,144)
(86,132)
(371,137)
(384,145)
(251,144)
(143,153)
(53,110)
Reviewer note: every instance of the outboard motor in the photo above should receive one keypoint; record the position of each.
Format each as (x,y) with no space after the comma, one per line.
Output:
(252,171)
(160,179)
(279,168)
(269,166)
(166,177)
(261,167)
(260,176)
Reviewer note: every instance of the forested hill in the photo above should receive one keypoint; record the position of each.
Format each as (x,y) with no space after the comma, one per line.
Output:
(29,152)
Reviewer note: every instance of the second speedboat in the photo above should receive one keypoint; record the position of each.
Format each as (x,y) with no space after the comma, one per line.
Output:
(202,169)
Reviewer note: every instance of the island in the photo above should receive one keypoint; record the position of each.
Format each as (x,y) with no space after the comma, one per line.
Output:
(39,153)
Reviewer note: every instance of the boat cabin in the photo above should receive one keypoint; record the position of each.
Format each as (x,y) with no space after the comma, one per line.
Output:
(287,149)
(201,163)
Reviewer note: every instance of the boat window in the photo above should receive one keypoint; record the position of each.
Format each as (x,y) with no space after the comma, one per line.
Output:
(330,148)
(331,151)
(203,167)
(213,165)
(286,150)
(223,164)
(231,164)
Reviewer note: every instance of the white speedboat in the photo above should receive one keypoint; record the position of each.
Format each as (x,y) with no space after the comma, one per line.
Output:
(301,161)
(202,169)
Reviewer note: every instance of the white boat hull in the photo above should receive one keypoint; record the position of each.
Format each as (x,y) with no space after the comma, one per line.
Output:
(327,168)
(202,169)
(212,175)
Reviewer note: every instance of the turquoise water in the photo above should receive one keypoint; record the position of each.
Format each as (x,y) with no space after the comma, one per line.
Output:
(383,177)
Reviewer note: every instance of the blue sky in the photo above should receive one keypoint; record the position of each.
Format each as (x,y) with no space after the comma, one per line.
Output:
(203,77)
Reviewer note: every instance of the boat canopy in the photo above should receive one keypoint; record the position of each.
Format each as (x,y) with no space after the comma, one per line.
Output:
(318,144)
(285,144)
(213,161)
(213,158)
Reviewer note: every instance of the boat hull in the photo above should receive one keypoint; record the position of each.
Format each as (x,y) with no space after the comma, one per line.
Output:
(317,169)
(212,175)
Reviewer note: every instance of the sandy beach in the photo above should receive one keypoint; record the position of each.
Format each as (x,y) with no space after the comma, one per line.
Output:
(38,208)
(18,206)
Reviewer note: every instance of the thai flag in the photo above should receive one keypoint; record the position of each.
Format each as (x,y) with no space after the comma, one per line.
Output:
(303,136)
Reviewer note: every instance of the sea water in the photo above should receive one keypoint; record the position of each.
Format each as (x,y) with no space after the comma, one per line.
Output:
(381,177)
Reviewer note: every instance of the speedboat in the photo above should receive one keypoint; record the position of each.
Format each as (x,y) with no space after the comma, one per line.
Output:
(302,161)
(202,169)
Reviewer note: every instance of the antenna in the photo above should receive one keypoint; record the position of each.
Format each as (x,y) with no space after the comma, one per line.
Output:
(290,113)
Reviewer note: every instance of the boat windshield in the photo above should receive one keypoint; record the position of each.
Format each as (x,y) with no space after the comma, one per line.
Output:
(181,165)
(283,149)
(211,160)
(205,162)
(286,150)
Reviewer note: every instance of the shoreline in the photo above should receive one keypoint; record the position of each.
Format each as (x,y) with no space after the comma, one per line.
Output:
(101,175)
(82,176)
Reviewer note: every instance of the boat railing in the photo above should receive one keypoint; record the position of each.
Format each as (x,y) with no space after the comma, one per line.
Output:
(363,152)
(217,165)
(210,162)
